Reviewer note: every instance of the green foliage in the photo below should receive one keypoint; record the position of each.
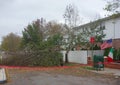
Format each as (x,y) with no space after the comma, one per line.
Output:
(107,50)
(116,53)
(93,29)
(32,35)
(88,68)
(35,37)
(38,58)
(48,59)
(56,39)
(71,64)
(40,45)
(100,34)
(95,47)
(11,42)
(43,45)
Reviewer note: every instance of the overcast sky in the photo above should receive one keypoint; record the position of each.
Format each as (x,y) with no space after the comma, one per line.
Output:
(15,15)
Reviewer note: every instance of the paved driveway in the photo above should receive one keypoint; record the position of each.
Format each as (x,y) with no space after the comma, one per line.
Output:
(26,77)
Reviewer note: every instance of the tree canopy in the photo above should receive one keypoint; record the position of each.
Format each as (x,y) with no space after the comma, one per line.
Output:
(32,35)
(41,36)
(11,42)
(95,30)
(113,6)
(71,16)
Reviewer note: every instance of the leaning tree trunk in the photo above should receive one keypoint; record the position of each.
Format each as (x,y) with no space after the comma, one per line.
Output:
(66,57)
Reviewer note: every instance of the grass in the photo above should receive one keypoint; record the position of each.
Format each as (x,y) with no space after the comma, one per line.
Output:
(88,68)
(71,64)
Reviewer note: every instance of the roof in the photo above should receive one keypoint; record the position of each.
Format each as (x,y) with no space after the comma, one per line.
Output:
(114,16)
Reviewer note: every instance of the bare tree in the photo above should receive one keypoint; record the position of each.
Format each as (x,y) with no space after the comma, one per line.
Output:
(72,19)
(113,6)
(71,16)
(53,28)
(97,17)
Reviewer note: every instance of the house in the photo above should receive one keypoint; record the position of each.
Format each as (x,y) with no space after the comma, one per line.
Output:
(111,25)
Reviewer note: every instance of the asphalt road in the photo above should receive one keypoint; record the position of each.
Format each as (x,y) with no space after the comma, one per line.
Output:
(23,77)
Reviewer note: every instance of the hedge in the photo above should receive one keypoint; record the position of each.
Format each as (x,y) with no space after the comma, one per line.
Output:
(38,58)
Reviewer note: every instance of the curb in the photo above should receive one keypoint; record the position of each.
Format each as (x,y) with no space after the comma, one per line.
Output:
(41,68)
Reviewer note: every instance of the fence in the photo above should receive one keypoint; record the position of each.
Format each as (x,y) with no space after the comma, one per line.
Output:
(81,56)
(95,52)
(76,56)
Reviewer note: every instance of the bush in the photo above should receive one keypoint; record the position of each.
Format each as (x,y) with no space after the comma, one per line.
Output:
(45,58)
(107,50)
(116,53)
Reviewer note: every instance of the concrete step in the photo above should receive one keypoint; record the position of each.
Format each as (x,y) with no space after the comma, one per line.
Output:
(3,78)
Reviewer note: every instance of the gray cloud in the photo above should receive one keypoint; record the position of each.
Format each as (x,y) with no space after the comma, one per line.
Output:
(16,14)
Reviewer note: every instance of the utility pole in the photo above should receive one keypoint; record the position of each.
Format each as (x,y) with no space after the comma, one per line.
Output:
(92,40)
(113,34)
(114,37)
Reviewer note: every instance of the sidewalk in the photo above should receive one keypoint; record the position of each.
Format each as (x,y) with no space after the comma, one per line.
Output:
(115,72)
